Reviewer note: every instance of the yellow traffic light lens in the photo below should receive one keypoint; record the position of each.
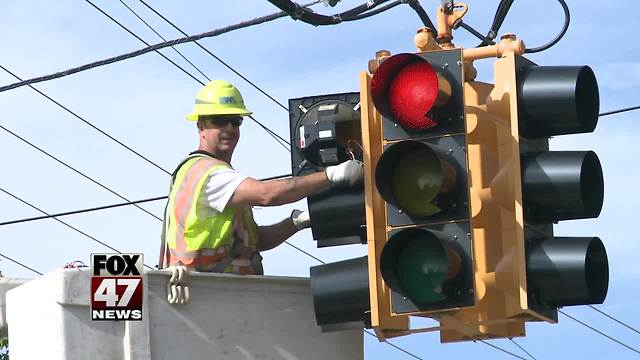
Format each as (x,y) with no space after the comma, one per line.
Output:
(411,175)
(416,181)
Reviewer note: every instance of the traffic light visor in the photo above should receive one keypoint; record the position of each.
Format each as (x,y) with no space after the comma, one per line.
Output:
(405,88)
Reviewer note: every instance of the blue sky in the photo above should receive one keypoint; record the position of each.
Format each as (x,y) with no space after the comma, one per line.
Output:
(142,102)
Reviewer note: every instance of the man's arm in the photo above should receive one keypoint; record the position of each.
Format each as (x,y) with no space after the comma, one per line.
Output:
(271,236)
(279,192)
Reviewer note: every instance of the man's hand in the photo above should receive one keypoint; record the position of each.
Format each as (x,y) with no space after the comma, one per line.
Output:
(348,172)
(301,219)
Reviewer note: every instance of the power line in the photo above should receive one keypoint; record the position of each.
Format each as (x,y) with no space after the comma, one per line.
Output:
(66,224)
(396,346)
(77,171)
(161,37)
(132,54)
(619,111)
(104,207)
(501,349)
(89,123)
(522,348)
(81,211)
(21,264)
(227,66)
(599,332)
(144,42)
(269,131)
(218,58)
(614,319)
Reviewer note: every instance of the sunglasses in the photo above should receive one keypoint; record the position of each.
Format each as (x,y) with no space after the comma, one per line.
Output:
(222,121)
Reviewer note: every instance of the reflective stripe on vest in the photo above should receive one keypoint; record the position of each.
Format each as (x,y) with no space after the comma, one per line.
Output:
(197,236)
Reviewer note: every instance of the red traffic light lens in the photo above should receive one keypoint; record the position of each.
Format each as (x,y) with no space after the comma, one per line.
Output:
(405,88)
(412,93)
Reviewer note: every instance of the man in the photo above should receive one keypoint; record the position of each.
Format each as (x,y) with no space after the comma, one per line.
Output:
(208,223)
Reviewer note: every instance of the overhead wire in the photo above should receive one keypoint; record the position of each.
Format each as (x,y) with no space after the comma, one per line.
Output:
(163,39)
(522,348)
(21,264)
(135,53)
(619,111)
(144,42)
(565,27)
(269,131)
(66,224)
(501,349)
(77,171)
(599,332)
(74,212)
(74,114)
(217,57)
(614,319)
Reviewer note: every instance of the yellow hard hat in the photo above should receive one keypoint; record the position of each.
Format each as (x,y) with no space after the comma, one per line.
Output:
(218,97)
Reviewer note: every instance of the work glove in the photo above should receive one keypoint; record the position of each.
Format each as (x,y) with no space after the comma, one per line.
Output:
(301,219)
(348,172)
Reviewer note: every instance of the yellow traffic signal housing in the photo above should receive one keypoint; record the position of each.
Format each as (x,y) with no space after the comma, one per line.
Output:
(461,193)
(416,193)
(519,188)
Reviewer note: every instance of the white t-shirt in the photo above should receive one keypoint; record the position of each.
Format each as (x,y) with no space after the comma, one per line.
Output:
(220,187)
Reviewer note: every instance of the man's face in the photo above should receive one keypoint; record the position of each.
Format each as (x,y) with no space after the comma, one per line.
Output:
(220,133)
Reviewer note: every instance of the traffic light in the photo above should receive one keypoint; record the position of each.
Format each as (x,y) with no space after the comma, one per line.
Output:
(519,189)
(325,131)
(461,192)
(416,188)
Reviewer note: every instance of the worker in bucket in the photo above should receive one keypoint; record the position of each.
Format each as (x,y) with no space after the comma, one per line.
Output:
(208,224)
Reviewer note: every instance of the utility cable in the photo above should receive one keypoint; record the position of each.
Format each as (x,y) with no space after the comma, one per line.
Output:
(522,348)
(144,42)
(565,27)
(21,264)
(66,224)
(614,319)
(218,58)
(269,131)
(501,349)
(158,46)
(82,211)
(278,138)
(89,123)
(598,331)
(111,206)
(77,171)
(396,346)
(619,111)
(376,11)
(163,39)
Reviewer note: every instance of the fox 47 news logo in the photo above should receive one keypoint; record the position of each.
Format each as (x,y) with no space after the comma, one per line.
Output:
(116,286)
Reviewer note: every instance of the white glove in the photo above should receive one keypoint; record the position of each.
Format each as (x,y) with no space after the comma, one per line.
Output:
(301,219)
(348,172)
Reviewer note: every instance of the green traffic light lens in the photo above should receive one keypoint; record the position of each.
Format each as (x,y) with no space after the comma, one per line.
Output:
(416,181)
(414,262)
(422,267)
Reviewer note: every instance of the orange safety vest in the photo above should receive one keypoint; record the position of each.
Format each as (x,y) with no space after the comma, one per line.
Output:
(201,238)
